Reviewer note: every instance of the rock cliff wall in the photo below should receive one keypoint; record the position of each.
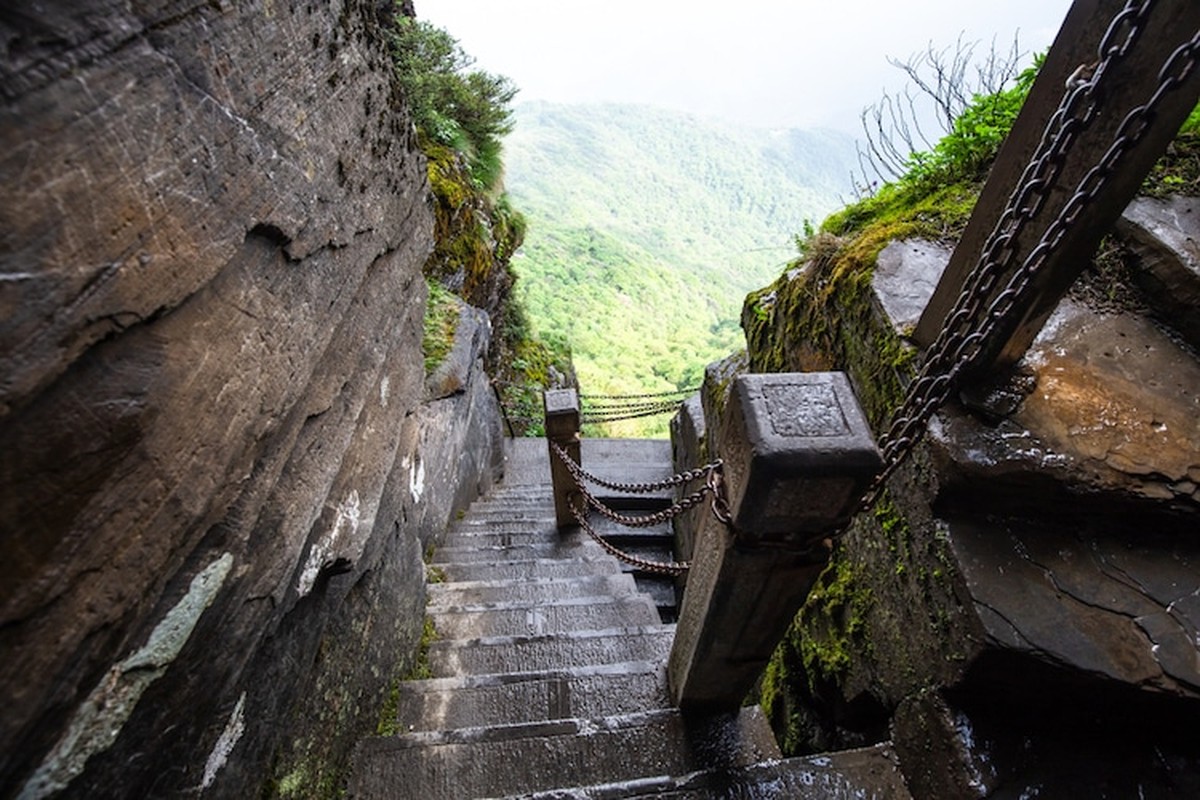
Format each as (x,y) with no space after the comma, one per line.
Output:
(217,472)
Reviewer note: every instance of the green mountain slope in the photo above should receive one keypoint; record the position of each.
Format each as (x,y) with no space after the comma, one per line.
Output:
(647,228)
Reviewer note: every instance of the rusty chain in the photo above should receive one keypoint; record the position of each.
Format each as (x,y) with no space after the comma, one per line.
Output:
(614,408)
(675,393)
(711,473)
(968,325)
(659,567)
(683,478)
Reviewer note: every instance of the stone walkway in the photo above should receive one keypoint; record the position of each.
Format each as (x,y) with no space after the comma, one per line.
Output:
(549,676)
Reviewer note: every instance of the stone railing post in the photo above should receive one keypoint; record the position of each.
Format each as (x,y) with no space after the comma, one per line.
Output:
(797,454)
(562,428)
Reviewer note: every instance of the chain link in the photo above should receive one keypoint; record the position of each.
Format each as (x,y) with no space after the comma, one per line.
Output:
(711,473)
(675,393)
(658,567)
(683,478)
(969,325)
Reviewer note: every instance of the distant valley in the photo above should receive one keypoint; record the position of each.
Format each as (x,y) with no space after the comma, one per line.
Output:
(648,227)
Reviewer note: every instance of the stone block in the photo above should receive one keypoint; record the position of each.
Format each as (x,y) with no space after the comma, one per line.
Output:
(1165,237)
(562,428)
(798,453)
(689,451)
(906,273)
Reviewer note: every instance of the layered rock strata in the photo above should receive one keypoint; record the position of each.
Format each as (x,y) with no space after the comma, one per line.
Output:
(217,478)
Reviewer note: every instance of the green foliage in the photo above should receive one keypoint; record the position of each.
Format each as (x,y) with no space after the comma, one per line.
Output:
(530,366)
(1178,171)
(420,669)
(453,105)
(834,617)
(969,149)
(441,320)
(647,227)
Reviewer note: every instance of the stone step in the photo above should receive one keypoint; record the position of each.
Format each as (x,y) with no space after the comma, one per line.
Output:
(459,554)
(660,589)
(545,590)
(593,691)
(531,619)
(504,536)
(475,523)
(531,492)
(868,773)
(505,513)
(511,759)
(484,535)
(593,562)
(501,654)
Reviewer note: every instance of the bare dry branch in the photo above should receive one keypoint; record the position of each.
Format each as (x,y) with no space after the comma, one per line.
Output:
(940,87)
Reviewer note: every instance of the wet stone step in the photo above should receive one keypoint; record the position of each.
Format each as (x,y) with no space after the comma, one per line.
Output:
(644,552)
(522,513)
(502,536)
(660,590)
(532,493)
(544,590)
(472,523)
(593,691)
(505,535)
(499,654)
(869,773)
(510,759)
(525,619)
(594,563)
(458,554)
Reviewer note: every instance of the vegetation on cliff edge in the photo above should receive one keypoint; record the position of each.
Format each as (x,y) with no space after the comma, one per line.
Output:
(462,115)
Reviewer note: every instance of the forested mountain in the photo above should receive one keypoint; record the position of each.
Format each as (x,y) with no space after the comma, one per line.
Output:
(648,227)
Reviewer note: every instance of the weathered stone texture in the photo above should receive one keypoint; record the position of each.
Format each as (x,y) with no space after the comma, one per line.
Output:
(1025,565)
(1165,237)
(210,315)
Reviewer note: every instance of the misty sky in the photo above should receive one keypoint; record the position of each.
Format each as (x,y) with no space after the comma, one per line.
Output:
(772,63)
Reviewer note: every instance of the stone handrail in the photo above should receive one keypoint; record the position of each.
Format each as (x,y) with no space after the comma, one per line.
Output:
(562,428)
(798,454)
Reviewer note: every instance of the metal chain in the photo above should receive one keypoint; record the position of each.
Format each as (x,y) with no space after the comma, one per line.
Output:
(598,418)
(580,475)
(616,413)
(638,396)
(968,327)
(644,521)
(599,408)
(673,568)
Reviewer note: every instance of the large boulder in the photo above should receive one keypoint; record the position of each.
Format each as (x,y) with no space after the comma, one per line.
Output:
(1028,571)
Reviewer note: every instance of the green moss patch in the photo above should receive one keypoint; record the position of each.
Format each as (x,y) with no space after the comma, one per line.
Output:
(441,321)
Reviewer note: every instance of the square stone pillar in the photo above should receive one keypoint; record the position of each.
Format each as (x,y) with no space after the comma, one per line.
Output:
(562,428)
(798,455)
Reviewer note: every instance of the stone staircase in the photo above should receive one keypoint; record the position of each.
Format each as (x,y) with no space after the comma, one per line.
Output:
(549,670)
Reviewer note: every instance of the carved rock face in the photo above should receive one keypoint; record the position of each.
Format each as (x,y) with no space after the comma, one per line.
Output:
(211,237)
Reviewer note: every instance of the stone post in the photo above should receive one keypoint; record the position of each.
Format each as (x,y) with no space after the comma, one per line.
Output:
(798,454)
(562,428)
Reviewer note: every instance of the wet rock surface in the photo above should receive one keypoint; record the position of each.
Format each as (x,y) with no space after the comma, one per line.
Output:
(1036,564)
(1113,415)
(1165,236)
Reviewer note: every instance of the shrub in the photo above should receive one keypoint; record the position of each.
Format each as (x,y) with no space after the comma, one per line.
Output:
(452,104)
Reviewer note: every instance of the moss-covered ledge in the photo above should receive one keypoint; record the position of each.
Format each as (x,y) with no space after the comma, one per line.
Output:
(849,659)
